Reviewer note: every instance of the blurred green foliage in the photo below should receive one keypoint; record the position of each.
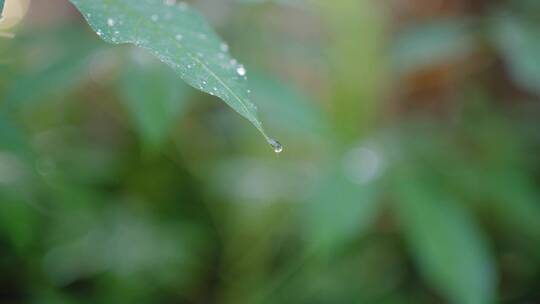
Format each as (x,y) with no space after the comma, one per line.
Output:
(410,172)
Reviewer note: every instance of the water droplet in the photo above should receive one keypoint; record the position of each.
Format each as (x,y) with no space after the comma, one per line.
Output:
(155,17)
(170,2)
(99,33)
(110,22)
(278,148)
(241,70)
(179,37)
(224,47)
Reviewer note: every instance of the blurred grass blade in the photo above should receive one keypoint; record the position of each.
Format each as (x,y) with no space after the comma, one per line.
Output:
(508,196)
(180,37)
(354,103)
(59,72)
(424,45)
(17,221)
(339,211)
(11,137)
(519,42)
(446,242)
(515,202)
(154,98)
(289,109)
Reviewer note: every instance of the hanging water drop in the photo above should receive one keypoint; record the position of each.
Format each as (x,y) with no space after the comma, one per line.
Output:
(110,22)
(278,148)
(179,37)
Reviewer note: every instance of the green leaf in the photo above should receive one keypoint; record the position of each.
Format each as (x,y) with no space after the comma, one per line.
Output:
(153,97)
(446,242)
(180,37)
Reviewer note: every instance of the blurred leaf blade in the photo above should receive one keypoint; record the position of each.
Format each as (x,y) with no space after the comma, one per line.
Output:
(352,18)
(154,98)
(180,37)
(423,45)
(58,73)
(339,211)
(289,109)
(438,230)
(519,44)
(11,137)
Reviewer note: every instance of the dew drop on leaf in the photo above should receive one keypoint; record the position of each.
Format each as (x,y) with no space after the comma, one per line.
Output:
(241,70)
(224,47)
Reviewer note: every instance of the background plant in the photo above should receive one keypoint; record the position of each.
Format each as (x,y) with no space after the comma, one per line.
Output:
(410,173)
